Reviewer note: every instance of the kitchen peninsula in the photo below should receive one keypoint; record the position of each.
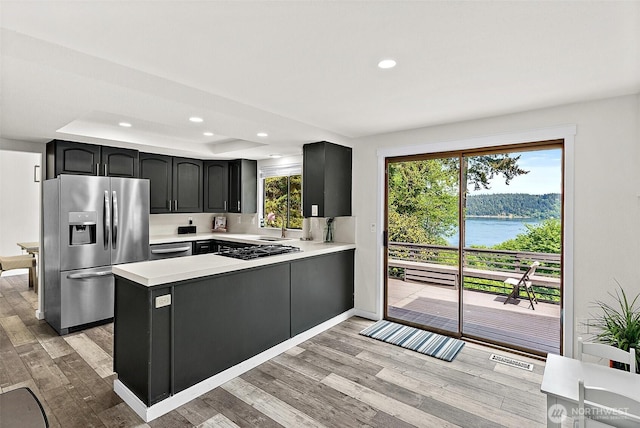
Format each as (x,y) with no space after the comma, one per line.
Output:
(186,325)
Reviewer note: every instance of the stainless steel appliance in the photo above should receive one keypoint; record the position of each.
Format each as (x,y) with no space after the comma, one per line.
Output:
(256,251)
(90,223)
(175,249)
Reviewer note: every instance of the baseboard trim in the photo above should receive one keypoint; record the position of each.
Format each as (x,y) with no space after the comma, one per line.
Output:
(149,413)
(366,314)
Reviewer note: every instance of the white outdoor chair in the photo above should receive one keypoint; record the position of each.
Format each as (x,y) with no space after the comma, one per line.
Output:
(524,281)
(608,352)
(599,407)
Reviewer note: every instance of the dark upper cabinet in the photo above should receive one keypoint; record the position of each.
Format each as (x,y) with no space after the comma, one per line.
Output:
(159,170)
(216,186)
(120,162)
(243,186)
(187,185)
(326,179)
(175,183)
(68,157)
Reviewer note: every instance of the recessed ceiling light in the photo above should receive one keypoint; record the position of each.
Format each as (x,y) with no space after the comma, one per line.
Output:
(208,134)
(125,124)
(196,119)
(275,155)
(262,134)
(387,63)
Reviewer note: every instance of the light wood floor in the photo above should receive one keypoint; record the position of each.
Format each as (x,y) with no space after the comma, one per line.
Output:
(336,379)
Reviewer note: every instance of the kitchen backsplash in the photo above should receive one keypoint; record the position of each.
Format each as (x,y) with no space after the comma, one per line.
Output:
(167,224)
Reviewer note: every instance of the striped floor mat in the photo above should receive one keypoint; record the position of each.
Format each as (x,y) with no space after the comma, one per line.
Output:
(435,345)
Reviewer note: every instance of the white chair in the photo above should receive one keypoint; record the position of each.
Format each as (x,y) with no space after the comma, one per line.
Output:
(608,352)
(524,281)
(599,407)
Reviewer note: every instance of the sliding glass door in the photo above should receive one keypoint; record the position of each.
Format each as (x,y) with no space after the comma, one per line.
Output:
(464,232)
(422,211)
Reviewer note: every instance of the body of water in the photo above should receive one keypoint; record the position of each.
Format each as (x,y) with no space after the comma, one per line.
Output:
(492,231)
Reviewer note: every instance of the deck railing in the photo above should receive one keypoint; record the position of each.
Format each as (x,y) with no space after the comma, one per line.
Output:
(484,263)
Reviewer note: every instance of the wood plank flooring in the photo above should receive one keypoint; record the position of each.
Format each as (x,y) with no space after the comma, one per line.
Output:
(336,379)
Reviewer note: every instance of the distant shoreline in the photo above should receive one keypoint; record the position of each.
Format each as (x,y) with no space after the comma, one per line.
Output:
(502,216)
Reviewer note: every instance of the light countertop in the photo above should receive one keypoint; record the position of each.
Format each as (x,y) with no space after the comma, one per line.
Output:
(164,271)
(244,238)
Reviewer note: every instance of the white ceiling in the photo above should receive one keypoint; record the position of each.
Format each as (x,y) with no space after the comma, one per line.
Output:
(302,71)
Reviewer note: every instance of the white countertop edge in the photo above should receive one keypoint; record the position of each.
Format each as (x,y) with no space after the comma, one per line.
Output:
(244,238)
(166,271)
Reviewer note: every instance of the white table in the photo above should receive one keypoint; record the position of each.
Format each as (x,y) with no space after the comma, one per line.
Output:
(560,384)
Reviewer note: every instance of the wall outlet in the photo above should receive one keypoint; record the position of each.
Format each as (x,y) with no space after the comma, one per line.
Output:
(372,228)
(314,210)
(162,301)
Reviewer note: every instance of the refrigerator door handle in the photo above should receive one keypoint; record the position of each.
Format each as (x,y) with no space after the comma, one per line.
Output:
(115,219)
(107,219)
(89,275)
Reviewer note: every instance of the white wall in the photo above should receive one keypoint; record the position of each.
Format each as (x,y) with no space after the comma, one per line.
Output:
(19,200)
(606,197)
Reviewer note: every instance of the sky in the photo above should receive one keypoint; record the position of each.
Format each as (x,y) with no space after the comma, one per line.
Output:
(545,175)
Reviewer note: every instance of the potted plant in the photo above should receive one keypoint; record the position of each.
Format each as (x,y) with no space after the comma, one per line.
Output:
(619,323)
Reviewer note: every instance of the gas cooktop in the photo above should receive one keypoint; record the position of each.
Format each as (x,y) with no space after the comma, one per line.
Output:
(256,251)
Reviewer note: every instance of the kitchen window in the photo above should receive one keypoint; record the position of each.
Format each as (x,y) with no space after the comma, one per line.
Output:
(281,193)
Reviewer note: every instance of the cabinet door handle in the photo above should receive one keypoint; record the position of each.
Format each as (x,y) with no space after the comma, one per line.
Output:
(97,169)
(169,202)
(105,169)
(238,206)
(175,205)
(225,205)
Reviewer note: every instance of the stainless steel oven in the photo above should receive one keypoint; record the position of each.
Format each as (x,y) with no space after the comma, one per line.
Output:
(174,249)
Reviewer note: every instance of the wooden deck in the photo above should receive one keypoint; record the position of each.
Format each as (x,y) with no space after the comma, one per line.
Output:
(484,315)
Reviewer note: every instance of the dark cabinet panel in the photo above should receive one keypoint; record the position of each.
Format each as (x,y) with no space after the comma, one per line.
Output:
(158,169)
(216,186)
(243,186)
(326,179)
(216,322)
(321,288)
(68,157)
(175,183)
(187,185)
(120,162)
(222,320)
(142,341)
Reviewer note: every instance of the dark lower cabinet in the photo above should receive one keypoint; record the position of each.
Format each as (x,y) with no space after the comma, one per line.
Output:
(216,322)
(222,320)
(321,288)
(142,341)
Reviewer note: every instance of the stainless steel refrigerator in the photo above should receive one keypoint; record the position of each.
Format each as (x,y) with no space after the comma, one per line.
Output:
(90,223)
